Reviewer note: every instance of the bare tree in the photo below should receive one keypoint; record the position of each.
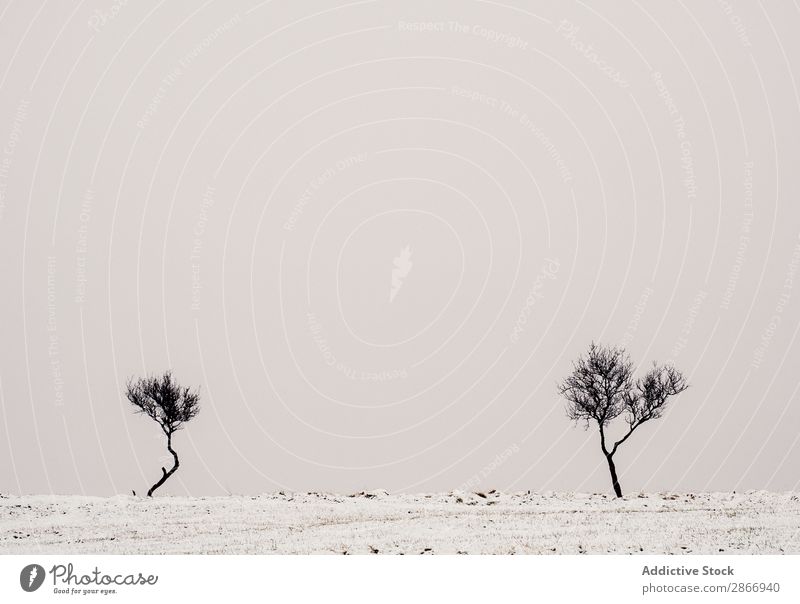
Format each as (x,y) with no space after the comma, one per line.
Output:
(602,388)
(169,405)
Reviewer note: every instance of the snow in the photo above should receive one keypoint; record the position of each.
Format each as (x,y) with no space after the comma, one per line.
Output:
(755,522)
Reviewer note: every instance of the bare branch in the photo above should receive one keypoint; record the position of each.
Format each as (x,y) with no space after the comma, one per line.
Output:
(653,391)
(163,400)
(650,398)
(598,386)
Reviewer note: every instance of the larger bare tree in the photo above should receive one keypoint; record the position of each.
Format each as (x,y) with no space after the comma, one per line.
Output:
(602,388)
(169,405)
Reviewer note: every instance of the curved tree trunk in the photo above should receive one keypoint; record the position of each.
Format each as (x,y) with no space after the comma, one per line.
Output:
(166,474)
(614,480)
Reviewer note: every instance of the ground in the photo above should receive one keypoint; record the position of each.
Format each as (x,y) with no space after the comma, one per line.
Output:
(376,522)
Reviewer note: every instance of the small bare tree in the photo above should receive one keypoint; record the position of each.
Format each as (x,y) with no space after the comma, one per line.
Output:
(169,405)
(602,388)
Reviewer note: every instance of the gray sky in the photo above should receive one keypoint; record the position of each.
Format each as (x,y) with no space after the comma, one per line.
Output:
(375,234)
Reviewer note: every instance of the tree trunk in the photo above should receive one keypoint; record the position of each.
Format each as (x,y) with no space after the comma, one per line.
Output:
(614,480)
(166,474)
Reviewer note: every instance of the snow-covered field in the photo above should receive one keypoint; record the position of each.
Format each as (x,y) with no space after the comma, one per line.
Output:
(519,523)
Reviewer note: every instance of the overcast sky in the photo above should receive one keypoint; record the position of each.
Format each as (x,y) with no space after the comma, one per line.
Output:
(375,234)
